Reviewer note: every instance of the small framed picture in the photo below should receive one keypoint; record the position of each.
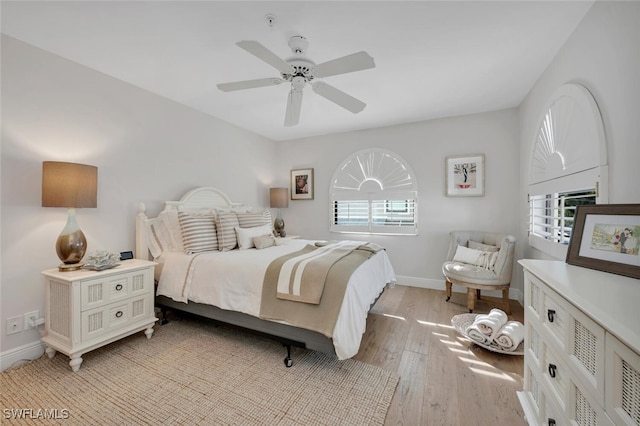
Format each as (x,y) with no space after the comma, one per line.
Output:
(606,237)
(302,184)
(465,175)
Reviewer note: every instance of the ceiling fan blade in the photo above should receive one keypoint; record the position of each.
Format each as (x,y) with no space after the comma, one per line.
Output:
(347,102)
(261,52)
(350,63)
(249,84)
(294,104)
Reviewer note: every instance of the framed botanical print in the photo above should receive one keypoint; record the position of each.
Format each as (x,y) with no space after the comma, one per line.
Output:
(302,184)
(465,175)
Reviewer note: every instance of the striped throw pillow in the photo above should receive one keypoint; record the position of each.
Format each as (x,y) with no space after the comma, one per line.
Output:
(198,232)
(226,226)
(253,219)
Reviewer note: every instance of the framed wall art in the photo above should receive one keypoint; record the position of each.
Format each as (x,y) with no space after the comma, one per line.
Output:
(302,184)
(606,237)
(465,175)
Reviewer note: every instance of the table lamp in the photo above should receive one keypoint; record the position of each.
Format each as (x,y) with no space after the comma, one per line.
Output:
(72,186)
(279,198)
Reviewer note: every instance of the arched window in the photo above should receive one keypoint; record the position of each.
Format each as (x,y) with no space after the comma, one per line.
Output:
(568,167)
(374,191)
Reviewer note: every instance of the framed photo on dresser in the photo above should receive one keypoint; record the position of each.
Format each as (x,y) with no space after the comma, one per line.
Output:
(606,237)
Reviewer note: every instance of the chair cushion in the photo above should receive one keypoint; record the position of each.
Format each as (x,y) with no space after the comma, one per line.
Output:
(468,273)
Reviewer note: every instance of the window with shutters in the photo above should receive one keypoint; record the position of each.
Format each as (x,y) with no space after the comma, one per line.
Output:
(374,191)
(568,167)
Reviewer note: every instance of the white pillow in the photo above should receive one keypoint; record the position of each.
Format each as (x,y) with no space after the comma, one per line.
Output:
(172,225)
(157,236)
(245,235)
(484,259)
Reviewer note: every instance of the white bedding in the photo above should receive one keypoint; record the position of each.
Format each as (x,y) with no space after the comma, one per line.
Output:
(232,280)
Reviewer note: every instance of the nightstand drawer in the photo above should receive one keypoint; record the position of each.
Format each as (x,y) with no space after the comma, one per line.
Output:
(99,321)
(109,288)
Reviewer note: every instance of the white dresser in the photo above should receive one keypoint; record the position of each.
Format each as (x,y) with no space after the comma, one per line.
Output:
(85,309)
(582,346)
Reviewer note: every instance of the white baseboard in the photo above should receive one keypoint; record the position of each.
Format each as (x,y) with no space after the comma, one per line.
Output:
(16,356)
(432,284)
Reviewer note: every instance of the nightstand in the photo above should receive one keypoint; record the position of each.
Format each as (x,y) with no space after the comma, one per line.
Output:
(85,309)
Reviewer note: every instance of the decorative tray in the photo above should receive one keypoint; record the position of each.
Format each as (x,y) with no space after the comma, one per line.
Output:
(462,321)
(100,267)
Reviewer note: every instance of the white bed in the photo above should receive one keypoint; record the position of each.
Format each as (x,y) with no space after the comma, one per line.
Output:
(227,285)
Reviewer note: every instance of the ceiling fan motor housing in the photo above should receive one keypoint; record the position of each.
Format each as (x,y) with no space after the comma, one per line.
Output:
(301,67)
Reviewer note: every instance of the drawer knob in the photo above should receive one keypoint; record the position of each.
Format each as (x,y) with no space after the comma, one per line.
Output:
(551,422)
(551,314)
(118,287)
(118,314)
(552,370)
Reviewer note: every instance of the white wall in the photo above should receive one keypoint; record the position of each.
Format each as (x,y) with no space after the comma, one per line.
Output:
(150,149)
(146,148)
(425,145)
(603,54)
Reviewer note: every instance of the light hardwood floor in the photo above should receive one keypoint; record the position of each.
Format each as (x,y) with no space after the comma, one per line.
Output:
(444,378)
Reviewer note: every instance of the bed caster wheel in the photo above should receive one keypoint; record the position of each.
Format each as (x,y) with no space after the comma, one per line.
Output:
(288,362)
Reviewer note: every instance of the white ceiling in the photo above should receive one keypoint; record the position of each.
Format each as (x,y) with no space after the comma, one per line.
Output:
(433,58)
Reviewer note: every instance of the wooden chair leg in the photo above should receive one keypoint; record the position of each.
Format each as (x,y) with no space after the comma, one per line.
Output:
(505,301)
(471,299)
(447,285)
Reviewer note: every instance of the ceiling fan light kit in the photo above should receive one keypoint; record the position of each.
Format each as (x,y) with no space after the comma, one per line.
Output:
(300,70)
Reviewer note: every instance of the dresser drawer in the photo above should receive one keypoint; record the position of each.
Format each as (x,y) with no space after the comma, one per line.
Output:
(585,350)
(533,297)
(100,291)
(584,410)
(553,414)
(557,376)
(556,320)
(532,398)
(112,317)
(534,345)
(622,400)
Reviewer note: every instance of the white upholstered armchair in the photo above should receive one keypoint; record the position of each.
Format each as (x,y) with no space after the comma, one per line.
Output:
(480,261)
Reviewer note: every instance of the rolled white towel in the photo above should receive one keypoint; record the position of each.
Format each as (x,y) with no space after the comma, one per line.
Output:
(476,335)
(492,322)
(510,336)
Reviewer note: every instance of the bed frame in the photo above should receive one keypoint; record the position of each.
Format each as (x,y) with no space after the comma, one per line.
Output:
(208,198)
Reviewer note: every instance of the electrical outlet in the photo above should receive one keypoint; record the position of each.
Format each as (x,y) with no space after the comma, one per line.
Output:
(14,325)
(30,319)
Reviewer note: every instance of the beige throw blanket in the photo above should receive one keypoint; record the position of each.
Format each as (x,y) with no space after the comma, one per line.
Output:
(302,277)
(320,317)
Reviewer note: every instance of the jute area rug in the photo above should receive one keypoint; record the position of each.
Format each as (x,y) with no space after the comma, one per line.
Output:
(192,373)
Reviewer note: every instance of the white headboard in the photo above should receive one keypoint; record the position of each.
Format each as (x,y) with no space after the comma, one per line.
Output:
(203,198)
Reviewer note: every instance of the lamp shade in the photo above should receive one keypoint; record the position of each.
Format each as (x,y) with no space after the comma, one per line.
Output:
(279,198)
(69,185)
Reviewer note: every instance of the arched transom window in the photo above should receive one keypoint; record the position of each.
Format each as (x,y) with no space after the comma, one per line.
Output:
(374,191)
(568,167)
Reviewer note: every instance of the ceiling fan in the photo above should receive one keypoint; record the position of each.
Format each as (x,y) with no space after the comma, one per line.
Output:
(300,70)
